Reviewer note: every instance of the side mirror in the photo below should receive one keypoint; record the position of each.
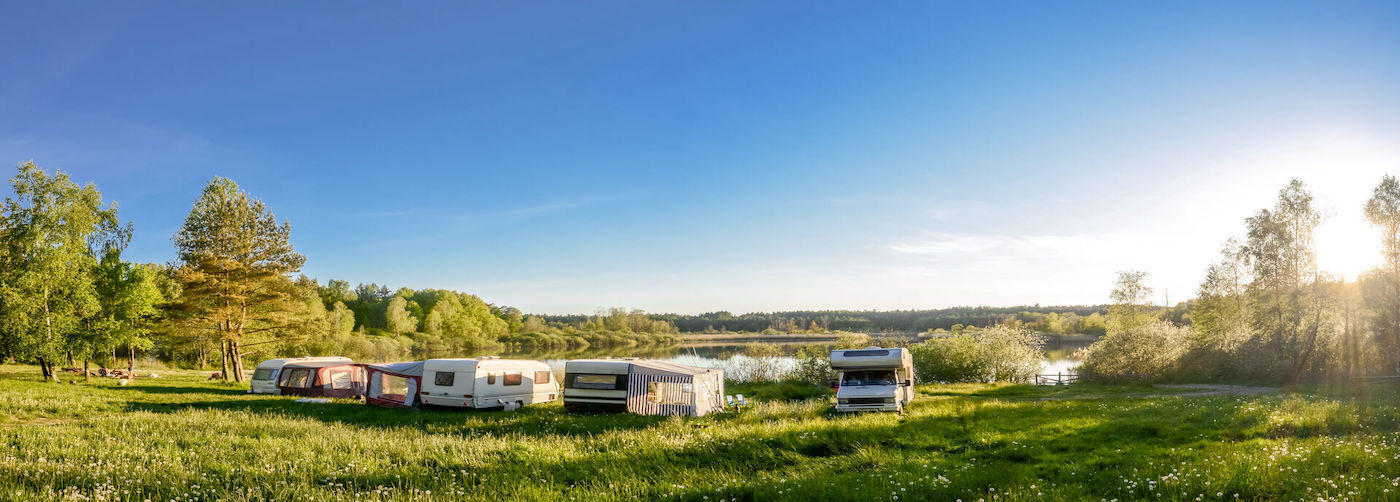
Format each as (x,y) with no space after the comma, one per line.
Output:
(833,384)
(908,383)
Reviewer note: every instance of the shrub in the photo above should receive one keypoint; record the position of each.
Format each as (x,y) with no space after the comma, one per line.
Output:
(996,354)
(1148,353)
(813,365)
(759,362)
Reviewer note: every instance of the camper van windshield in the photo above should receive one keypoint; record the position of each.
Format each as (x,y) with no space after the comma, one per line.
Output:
(264,374)
(876,377)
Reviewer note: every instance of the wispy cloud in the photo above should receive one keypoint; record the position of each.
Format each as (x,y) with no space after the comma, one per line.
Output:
(546,208)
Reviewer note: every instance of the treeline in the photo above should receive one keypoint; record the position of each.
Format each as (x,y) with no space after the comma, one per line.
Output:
(1264,311)
(1061,320)
(232,295)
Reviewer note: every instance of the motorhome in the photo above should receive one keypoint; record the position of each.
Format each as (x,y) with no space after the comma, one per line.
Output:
(647,387)
(487,382)
(264,379)
(873,379)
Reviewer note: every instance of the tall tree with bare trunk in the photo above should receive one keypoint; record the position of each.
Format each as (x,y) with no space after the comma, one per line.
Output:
(235,262)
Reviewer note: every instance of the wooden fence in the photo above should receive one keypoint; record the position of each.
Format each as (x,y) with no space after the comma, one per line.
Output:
(1056,379)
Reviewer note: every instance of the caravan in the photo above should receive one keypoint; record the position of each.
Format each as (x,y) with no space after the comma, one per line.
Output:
(322,378)
(873,379)
(631,385)
(264,379)
(487,382)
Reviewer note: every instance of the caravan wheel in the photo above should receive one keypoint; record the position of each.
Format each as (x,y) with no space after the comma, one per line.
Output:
(511,406)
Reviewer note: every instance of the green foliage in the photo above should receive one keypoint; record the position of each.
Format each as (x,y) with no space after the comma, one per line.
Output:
(813,365)
(48,232)
(1132,302)
(997,354)
(1381,288)
(128,296)
(400,321)
(235,261)
(1149,352)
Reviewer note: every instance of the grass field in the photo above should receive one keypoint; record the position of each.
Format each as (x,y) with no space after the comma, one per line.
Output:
(181,438)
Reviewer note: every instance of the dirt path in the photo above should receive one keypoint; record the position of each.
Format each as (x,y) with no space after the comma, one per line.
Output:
(1215,390)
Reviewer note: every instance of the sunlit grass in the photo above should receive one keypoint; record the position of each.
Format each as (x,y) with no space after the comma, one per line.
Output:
(181,438)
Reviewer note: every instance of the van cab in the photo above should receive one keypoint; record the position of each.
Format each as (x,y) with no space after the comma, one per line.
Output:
(873,379)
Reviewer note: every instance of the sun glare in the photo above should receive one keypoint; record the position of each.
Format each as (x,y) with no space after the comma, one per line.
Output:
(1347,246)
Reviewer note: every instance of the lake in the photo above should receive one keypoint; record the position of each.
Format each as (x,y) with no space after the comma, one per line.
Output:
(729,356)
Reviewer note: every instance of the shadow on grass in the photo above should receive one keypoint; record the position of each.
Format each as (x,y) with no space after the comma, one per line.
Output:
(548,419)
(169,389)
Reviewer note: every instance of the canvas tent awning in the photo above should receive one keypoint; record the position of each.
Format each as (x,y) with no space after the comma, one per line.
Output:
(394,384)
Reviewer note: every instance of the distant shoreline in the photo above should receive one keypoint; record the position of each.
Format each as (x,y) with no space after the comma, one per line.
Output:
(832,337)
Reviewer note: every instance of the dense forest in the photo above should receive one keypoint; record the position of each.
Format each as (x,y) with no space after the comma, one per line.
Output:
(1059,320)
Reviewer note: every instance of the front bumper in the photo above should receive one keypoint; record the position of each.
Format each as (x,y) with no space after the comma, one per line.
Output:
(867,407)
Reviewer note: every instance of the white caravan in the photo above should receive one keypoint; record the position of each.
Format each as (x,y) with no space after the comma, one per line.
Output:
(264,379)
(873,379)
(487,382)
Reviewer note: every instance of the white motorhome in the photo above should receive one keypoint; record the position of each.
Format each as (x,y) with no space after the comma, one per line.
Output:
(487,382)
(873,379)
(265,375)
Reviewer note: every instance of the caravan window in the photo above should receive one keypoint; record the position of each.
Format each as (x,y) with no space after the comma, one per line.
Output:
(490,378)
(541,377)
(264,374)
(872,377)
(444,378)
(599,382)
(341,379)
(512,378)
(299,378)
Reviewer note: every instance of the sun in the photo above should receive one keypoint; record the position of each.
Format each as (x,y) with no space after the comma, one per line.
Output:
(1347,245)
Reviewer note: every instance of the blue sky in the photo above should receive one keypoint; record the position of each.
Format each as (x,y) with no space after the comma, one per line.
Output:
(689,156)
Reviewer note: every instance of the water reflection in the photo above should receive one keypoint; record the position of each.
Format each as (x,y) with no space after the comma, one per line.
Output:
(1059,355)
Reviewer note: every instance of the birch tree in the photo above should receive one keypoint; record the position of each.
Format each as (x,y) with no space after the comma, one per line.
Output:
(48,233)
(1382,287)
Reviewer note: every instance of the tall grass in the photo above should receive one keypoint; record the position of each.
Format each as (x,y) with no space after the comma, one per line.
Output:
(180,438)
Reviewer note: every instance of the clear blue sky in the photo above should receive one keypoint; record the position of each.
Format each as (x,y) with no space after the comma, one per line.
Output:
(697,156)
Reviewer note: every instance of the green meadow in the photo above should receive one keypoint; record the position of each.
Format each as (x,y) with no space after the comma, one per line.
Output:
(179,437)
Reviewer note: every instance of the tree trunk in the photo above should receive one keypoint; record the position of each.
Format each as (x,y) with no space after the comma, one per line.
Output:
(85,371)
(131,359)
(236,354)
(223,361)
(44,368)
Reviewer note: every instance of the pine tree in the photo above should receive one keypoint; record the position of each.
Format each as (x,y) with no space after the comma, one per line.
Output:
(234,266)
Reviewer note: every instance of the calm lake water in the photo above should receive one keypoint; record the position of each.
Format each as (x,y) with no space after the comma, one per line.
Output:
(729,355)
